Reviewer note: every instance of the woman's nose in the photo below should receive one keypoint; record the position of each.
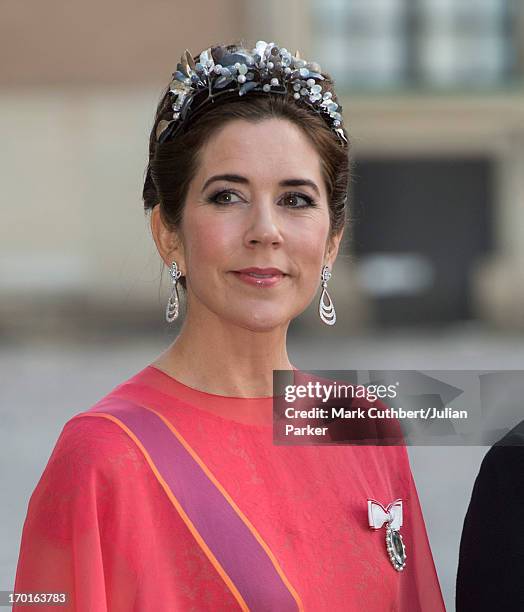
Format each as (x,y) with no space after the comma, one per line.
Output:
(263,224)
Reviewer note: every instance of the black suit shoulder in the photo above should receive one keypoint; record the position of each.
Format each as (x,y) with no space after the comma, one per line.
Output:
(514,437)
(491,559)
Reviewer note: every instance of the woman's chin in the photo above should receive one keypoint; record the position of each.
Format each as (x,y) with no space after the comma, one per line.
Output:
(262,321)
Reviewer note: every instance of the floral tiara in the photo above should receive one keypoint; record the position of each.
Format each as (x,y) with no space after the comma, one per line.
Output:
(266,68)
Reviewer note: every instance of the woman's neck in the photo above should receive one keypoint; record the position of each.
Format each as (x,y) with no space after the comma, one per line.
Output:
(226,360)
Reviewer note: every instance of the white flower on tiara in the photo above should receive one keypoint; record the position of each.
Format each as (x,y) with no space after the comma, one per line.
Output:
(266,68)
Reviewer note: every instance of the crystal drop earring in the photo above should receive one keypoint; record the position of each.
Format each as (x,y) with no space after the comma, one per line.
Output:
(326,310)
(173,303)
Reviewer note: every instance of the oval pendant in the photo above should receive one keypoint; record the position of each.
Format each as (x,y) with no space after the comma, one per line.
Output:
(396,548)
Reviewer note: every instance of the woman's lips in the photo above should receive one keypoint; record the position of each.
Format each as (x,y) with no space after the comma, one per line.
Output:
(260,280)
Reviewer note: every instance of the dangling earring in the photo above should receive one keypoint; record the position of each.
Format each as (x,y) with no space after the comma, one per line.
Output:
(172,304)
(326,311)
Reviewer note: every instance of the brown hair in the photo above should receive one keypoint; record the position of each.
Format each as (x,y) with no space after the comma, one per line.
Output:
(172,164)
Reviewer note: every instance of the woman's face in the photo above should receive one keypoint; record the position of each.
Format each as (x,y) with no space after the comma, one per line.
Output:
(240,213)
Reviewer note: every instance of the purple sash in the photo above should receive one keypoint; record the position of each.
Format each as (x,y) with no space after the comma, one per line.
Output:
(233,546)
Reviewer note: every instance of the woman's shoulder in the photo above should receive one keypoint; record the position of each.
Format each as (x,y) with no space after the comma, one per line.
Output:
(93,432)
(90,433)
(90,471)
(94,438)
(90,445)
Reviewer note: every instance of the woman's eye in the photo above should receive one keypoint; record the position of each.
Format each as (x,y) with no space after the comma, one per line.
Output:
(218,198)
(291,197)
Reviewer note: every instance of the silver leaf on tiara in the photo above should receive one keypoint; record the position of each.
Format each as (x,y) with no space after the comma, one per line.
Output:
(266,68)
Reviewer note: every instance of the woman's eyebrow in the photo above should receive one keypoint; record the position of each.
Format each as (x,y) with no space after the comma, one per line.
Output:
(236,178)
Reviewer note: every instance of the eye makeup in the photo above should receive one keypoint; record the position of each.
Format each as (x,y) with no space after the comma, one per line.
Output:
(214,198)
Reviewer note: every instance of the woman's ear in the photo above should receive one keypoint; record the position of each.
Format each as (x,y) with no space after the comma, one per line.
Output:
(167,241)
(332,247)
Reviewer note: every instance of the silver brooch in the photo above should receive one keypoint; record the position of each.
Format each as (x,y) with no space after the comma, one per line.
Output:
(391,516)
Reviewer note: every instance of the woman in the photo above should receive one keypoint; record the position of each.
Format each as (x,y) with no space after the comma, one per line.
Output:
(169,494)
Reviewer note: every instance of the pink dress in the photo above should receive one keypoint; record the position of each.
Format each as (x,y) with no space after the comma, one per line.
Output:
(163,497)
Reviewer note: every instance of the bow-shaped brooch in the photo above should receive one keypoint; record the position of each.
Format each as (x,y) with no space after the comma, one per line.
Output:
(391,516)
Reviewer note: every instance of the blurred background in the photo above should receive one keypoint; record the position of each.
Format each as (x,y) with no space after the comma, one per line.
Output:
(432,272)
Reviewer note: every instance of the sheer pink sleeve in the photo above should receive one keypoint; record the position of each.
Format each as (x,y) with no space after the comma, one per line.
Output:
(70,516)
(100,527)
